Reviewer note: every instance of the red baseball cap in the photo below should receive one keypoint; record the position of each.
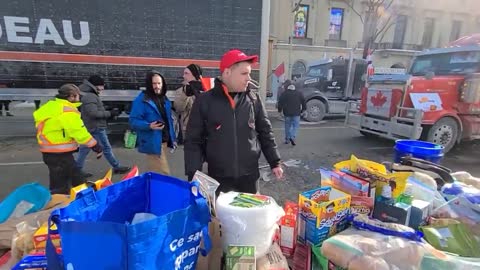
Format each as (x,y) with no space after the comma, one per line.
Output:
(234,56)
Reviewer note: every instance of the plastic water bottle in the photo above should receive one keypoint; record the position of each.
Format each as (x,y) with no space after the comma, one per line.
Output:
(406,197)
(386,196)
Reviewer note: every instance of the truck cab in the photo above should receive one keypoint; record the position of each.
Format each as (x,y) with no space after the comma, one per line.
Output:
(328,85)
(437,101)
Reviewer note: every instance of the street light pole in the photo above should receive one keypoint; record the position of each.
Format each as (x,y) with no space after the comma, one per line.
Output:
(264,48)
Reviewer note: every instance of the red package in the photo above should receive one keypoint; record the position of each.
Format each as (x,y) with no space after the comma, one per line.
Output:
(288,229)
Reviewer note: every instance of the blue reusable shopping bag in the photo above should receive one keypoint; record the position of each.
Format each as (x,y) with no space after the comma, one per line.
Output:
(96,233)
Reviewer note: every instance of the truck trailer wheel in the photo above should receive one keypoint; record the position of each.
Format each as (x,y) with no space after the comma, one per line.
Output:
(444,132)
(316,110)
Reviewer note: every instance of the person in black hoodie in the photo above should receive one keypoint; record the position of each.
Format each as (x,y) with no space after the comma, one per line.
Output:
(292,103)
(229,128)
(185,95)
(151,118)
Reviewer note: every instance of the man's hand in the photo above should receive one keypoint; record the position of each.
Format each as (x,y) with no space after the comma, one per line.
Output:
(157,125)
(278,172)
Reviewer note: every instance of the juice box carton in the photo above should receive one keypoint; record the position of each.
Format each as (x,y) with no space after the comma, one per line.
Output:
(40,237)
(288,229)
(240,258)
(320,219)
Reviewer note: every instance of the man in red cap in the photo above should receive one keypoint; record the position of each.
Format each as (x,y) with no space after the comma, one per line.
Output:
(229,127)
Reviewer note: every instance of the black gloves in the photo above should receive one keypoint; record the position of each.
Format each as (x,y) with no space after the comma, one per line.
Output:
(97,148)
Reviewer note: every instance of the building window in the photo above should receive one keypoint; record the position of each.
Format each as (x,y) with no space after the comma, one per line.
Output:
(399,33)
(428,30)
(336,23)
(301,21)
(456,30)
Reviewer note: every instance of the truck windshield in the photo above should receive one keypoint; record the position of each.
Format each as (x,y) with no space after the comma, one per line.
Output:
(318,71)
(447,63)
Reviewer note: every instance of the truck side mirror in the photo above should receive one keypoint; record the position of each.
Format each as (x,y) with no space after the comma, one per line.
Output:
(330,75)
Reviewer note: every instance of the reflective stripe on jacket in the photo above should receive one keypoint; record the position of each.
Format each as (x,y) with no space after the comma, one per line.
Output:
(60,128)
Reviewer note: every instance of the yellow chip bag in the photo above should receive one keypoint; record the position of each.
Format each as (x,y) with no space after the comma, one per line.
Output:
(376,172)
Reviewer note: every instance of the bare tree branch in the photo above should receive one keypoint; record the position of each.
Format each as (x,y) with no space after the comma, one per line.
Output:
(384,28)
(389,5)
(385,32)
(350,5)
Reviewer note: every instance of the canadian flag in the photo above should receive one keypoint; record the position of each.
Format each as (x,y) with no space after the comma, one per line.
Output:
(280,70)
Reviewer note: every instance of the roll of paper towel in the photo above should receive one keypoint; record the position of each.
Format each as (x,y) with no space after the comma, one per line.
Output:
(254,225)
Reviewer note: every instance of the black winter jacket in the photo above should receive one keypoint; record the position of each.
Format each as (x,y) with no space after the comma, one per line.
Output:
(292,103)
(229,136)
(93,112)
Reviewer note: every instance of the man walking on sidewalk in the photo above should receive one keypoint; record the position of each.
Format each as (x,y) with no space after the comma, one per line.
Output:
(95,118)
(292,103)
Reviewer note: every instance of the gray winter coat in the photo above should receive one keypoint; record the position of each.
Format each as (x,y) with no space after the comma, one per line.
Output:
(93,112)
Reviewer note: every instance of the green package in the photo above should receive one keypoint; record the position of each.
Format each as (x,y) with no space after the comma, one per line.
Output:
(453,238)
(130,139)
(240,258)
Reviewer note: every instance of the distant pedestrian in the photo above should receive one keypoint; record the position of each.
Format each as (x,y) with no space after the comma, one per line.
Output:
(60,130)
(185,95)
(6,105)
(95,117)
(151,118)
(292,104)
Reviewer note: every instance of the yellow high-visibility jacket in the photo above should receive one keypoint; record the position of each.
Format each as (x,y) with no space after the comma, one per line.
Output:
(60,128)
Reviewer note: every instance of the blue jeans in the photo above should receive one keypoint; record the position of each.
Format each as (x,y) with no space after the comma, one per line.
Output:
(100,134)
(291,126)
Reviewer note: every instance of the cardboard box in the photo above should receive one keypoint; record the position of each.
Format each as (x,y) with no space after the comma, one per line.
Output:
(399,214)
(358,204)
(319,220)
(213,261)
(288,229)
(362,205)
(420,213)
(240,258)
(40,237)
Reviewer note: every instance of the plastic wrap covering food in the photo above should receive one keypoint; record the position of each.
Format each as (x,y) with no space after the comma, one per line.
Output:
(467,178)
(424,191)
(248,219)
(363,222)
(355,249)
(461,209)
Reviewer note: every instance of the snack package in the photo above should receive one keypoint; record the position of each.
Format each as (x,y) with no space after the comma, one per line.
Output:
(363,222)
(288,228)
(376,172)
(208,187)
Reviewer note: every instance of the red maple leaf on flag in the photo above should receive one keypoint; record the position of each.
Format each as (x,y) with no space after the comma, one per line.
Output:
(379,99)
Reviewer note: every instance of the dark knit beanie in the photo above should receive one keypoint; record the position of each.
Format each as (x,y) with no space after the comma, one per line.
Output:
(96,80)
(196,70)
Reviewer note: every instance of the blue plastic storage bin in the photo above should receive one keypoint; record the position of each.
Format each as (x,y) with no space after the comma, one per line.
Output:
(418,149)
